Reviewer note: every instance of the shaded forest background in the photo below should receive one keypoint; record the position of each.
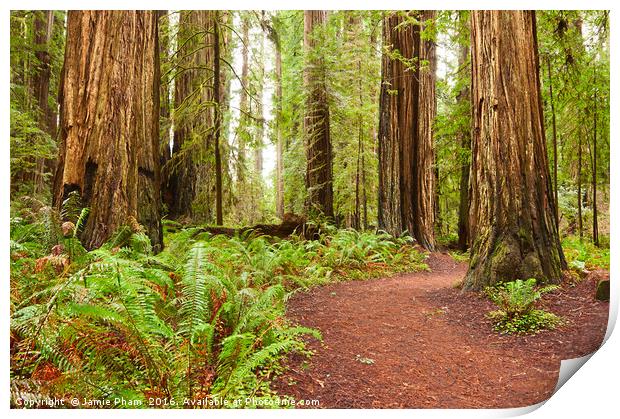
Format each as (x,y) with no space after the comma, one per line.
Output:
(261,164)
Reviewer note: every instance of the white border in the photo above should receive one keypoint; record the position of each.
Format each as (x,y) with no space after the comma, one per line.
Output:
(593,391)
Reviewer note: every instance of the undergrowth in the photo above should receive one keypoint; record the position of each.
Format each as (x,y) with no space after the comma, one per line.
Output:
(582,254)
(202,320)
(517,312)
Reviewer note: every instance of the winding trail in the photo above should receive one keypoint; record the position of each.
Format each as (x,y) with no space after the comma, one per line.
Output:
(415,341)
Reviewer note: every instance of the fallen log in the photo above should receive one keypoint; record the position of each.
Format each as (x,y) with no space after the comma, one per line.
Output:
(291,224)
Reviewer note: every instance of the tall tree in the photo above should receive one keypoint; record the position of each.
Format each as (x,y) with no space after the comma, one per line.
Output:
(165,120)
(43,31)
(190,116)
(319,176)
(109,122)
(595,238)
(407,111)
(217,127)
(512,213)
(270,26)
(244,120)
(463,100)
(555,142)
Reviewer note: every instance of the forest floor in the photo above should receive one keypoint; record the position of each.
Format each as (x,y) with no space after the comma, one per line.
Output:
(415,341)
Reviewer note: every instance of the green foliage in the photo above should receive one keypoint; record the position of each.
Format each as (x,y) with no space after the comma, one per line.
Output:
(31,139)
(203,317)
(516,301)
(583,254)
(531,322)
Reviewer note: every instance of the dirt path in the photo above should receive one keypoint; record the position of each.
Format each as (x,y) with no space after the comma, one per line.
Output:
(414,341)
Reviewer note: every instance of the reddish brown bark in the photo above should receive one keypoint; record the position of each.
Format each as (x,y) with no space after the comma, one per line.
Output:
(109,122)
(407,110)
(319,178)
(193,115)
(512,213)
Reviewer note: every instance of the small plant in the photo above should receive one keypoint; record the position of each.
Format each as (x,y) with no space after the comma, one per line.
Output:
(460,256)
(516,302)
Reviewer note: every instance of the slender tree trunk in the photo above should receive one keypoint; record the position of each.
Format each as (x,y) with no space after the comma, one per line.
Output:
(407,110)
(218,120)
(270,28)
(242,131)
(512,214)
(594,206)
(109,122)
(164,107)
(43,28)
(258,150)
(316,120)
(462,99)
(579,168)
(279,141)
(555,145)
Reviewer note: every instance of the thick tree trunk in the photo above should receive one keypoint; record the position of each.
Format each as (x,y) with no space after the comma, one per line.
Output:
(426,204)
(512,213)
(407,110)
(316,120)
(190,169)
(190,75)
(109,122)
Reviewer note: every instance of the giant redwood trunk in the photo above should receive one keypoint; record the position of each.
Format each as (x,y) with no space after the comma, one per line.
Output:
(406,113)
(109,132)
(512,213)
(193,114)
(319,180)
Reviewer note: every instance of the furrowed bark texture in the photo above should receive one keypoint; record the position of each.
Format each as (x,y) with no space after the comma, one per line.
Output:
(512,213)
(109,122)
(193,117)
(316,120)
(407,110)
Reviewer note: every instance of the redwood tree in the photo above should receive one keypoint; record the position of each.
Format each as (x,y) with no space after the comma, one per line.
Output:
(407,110)
(193,118)
(512,212)
(109,120)
(465,136)
(319,177)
